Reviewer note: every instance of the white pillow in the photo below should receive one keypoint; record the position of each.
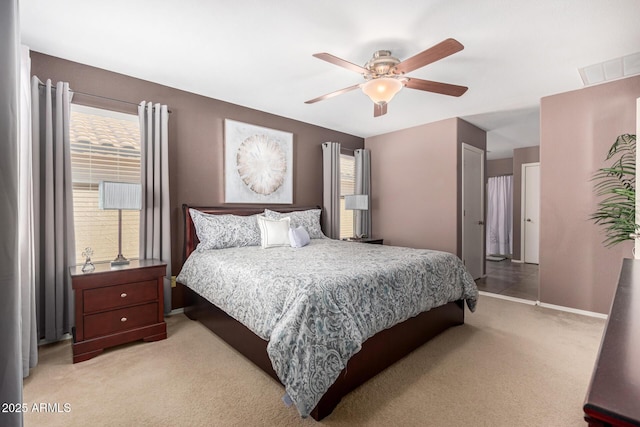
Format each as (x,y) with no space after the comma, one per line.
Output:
(299,237)
(274,232)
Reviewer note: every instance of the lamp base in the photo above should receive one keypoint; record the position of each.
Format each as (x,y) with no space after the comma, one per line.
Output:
(120,260)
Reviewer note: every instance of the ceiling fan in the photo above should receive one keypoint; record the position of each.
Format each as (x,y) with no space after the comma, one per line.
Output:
(385,75)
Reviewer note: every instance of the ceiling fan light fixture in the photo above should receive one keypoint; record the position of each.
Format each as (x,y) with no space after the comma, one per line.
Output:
(382,90)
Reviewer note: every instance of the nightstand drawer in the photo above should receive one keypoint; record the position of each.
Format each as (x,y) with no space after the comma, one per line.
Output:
(109,297)
(110,322)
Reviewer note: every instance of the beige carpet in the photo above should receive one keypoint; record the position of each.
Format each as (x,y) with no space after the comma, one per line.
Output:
(509,365)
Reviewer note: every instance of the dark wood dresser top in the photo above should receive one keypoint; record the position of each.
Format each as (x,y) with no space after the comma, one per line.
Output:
(613,397)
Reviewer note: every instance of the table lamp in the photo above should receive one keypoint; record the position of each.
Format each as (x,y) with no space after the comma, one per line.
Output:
(119,195)
(356,202)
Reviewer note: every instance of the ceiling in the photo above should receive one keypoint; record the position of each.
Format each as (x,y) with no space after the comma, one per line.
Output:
(251,53)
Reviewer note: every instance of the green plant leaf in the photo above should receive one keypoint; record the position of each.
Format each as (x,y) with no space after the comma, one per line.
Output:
(616,184)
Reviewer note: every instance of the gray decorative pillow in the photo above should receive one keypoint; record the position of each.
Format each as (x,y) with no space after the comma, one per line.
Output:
(309,219)
(225,231)
(298,237)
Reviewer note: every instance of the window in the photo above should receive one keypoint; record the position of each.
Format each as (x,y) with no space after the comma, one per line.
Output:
(347,187)
(105,146)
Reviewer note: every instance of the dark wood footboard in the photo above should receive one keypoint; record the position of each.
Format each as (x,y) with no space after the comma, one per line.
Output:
(230,330)
(377,353)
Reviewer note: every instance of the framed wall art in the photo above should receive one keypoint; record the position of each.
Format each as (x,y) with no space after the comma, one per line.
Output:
(258,164)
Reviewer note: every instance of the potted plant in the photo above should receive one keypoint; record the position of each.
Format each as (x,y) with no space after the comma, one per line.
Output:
(617,184)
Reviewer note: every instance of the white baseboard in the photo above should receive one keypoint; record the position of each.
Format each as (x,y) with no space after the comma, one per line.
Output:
(62,338)
(545,305)
(572,310)
(508,298)
(517,261)
(176,311)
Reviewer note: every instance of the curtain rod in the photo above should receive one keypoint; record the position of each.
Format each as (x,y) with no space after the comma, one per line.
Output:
(350,149)
(99,96)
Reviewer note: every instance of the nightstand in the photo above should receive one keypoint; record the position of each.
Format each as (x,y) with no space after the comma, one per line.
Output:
(367,240)
(116,305)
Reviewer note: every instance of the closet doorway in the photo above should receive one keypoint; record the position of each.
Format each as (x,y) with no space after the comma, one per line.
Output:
(505,273)
(499,217)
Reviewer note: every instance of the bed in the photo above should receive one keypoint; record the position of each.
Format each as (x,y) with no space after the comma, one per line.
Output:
(324,318)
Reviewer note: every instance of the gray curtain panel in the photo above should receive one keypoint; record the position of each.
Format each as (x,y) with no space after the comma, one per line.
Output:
(54,241)
(331,189)
(27,270)
(363,186)
(10,337)
(155,226)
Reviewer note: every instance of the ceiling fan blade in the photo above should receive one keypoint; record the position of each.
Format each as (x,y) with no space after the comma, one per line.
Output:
(379,110)
(332,94)
(437,87)
(341,62)
(433,54)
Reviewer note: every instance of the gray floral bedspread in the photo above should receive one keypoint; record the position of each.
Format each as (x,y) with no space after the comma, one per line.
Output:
(316,305)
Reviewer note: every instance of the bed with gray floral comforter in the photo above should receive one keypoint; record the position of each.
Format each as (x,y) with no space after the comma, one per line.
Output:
(316,305)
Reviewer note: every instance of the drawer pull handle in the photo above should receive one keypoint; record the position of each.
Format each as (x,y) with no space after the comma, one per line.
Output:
(124,319)
(123,295)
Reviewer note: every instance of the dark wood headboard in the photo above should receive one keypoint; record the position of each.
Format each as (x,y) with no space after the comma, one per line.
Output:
(190,236)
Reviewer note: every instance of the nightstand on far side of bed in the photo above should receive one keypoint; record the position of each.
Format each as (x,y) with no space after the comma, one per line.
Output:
(117,305)
(366,240)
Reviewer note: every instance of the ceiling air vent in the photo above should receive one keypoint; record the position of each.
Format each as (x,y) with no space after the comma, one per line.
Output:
(614,69)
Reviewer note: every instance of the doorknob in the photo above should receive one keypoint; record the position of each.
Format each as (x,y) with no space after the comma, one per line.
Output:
(529,220)
(480,222)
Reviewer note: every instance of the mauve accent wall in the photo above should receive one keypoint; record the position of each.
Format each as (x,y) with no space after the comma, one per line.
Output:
(577,129)
(415,183)
(499,167)
(196,138)
(413,188)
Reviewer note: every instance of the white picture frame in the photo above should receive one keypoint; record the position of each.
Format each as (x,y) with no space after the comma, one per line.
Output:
(258,164)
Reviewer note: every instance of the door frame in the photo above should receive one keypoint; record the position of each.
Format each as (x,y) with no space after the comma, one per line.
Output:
(482,153)
(523,198)
(636,244)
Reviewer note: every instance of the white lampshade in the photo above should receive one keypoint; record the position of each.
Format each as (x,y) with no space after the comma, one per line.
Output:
(356,202)
(119,195)
(382,90)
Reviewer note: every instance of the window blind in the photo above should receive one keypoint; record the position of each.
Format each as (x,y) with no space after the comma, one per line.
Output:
(105,146)
(347,187)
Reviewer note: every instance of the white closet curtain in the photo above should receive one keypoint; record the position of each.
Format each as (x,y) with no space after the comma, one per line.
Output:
(331,189)
(500,215)
(155,216)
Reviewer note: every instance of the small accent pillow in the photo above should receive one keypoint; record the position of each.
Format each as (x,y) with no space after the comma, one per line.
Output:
(309,219)
(274,232)
(225,231)
(299,237)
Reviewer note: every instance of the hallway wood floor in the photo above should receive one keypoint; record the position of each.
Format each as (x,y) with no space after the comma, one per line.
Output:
(512,279)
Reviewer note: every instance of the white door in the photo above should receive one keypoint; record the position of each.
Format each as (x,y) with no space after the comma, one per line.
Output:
(473,210)
(531,212)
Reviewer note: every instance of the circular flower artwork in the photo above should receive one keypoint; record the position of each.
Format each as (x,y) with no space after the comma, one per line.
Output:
(261,164)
